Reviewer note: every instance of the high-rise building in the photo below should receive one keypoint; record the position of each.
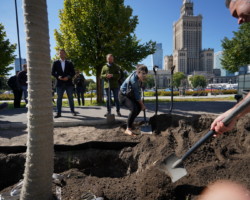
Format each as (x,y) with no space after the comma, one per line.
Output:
(188,55)
(168,62)
(157,57)
(17,64)
(217,64)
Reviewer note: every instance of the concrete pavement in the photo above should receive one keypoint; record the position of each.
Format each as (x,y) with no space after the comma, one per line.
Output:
(93,115)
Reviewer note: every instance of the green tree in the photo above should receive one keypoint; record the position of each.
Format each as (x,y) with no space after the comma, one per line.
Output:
(37,183)
(3,83)
(91,87)
(177,78)
(6,51)
(88,81)
(150,81)
(90,29)
(236,51)
(198,81)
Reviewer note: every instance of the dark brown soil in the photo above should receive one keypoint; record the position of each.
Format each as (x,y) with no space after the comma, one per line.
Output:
(115,166)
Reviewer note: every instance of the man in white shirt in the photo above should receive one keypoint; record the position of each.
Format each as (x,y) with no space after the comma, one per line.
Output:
(63,70)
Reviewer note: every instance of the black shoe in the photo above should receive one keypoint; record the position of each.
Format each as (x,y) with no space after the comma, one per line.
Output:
(73,113)
(119,114)
(108,113)
(57,116)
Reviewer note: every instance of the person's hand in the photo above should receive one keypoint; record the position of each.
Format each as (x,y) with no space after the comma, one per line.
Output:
(219,127)
(109,75)
(65,78)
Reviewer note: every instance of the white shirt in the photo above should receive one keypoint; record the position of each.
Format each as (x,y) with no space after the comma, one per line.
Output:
(63,64)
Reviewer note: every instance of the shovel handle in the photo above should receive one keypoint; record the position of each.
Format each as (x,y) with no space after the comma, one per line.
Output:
(226,121)
(144,111)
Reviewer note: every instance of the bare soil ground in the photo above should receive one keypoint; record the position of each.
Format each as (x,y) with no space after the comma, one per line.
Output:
(104,161)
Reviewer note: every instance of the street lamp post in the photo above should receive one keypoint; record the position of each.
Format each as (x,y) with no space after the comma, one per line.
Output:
(18,39)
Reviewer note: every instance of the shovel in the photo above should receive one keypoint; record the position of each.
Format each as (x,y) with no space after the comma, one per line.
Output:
(110,117)
(172,89)
(173,164)
(155,68)
(145,128)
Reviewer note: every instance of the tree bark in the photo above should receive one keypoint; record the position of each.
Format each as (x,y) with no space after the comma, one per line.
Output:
(39,156)
(99,86)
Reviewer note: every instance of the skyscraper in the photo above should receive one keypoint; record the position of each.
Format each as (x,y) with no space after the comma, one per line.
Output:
(218,65)
(17,64)
(157,57)
(188,55)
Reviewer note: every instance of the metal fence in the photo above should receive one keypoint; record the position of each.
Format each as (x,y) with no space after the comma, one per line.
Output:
(243,84)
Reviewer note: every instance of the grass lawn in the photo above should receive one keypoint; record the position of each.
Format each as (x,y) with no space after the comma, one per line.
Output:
(176,99)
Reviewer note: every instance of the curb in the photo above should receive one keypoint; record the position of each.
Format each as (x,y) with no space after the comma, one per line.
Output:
(15,125)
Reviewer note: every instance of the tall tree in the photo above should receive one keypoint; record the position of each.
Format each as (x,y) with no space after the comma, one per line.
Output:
(6,51)
(90,29)
(198,81)
(236,51)
(150,81)
(177,78)
(39,156)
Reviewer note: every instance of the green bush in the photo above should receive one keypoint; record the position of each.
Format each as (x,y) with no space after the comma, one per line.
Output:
(189,93)
(6,96)
(149,94)
(160,93)
(229,91)
(89,95)
(167,93)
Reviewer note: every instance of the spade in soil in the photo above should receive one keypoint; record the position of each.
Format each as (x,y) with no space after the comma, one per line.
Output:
(145,128)
(173,165)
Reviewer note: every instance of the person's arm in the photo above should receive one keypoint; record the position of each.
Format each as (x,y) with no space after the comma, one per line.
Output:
(20,78)
(75,80)
(136,89)
(104,72)
(54,72)
(219,126)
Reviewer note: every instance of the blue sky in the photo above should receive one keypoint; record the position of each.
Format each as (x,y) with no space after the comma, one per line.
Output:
(156,18)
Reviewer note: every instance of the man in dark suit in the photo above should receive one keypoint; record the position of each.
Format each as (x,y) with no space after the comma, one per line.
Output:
(63,70)
(13,83)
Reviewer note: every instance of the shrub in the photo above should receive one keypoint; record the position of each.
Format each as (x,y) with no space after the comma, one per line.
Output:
(167,93)
(149,94)
(89,95)
(6,96)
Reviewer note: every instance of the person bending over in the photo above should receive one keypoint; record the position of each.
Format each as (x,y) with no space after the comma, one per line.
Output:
(130,96)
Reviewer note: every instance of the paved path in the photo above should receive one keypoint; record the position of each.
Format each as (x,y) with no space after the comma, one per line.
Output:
(92,115)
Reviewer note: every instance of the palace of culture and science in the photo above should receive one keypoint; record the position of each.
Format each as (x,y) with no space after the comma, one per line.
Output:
(188,55)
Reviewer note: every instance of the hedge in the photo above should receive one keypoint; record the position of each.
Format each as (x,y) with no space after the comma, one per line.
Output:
(4,97)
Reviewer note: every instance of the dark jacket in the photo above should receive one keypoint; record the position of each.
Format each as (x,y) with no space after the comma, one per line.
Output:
(22,78)
(13,83)
(79,81)
(69,72)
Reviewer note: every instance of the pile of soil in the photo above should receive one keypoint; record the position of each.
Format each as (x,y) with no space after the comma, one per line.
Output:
(104,161)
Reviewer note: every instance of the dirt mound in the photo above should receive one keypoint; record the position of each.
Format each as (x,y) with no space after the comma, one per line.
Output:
(116,166)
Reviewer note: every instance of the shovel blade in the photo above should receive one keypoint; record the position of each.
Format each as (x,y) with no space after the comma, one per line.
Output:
(146,129)
(175,173)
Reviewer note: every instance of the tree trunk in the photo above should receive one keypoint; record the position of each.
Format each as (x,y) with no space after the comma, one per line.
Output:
(39,156)
(99,86)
